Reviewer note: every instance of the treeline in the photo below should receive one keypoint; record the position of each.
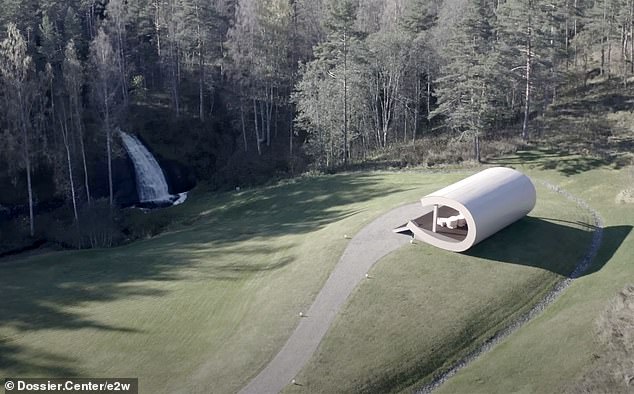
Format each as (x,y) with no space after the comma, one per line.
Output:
(330,80)
(464,67)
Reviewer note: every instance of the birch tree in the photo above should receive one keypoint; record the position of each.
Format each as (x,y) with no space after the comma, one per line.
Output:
(197,33)
(104,88)
(524,36)
(116,13)
(73,75)
(259,48)
(19,94)
(389,59)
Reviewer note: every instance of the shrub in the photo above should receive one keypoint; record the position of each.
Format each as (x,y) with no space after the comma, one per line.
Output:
(144,223)
(99,225)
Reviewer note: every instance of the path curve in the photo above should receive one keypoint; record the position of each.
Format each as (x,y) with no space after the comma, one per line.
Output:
(372,243)
(367,247)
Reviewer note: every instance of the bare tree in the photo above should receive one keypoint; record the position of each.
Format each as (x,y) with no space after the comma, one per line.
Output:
(73,79)
(66,140)
(389,61)
(105,87)
(172,55)
(17,75)
(117,15)
(259,48)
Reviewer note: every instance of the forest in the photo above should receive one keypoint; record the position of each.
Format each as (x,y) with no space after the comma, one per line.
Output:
(236,92)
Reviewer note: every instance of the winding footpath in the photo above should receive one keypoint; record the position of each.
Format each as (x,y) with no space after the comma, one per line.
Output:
(366,248)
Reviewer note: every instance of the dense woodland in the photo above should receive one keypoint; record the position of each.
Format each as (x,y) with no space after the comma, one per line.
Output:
(233,88)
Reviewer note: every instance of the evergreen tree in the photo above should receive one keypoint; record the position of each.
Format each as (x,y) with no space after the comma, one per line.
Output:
(418,20)
(50,43)
(342,41)
(338,68)
(464,92)
(525,33)
(72,25)
(418,16)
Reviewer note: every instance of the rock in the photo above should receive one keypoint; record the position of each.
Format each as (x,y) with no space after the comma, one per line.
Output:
(179,177)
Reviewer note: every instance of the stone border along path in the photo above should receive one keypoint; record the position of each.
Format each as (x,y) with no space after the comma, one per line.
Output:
(548,299)
(360,255)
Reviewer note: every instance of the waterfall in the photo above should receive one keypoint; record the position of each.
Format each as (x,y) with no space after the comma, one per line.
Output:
(150,180)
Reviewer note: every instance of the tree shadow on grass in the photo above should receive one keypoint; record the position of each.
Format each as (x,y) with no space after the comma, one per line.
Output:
(591,130)
(297,207)
(48,292)
(562,160)
(590,104)
(550,244)
(21,360)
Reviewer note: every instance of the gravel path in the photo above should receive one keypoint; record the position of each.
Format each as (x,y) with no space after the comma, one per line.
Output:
(371,243)
(548,299)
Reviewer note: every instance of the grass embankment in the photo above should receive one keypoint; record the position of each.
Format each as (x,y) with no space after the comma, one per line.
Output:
(208,304)
(200,308)
(553,350)
(589,141)
(394,330)
(423,307)
(614,330)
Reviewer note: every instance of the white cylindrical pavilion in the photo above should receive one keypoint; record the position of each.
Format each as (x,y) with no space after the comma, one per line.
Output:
(460,215)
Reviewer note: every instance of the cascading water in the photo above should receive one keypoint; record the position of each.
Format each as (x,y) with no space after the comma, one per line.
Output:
(150,180)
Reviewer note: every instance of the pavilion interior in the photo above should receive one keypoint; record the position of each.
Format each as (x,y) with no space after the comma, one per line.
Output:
(425,222)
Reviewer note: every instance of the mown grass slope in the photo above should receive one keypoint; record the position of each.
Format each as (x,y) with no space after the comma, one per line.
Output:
(208,304)
(559,346)
(587,147)
(399,331)
(423,308)
(203,306)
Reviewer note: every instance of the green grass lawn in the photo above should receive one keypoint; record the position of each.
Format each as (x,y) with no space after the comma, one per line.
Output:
(200,308)
(205,306)
(423,307)
(556,348)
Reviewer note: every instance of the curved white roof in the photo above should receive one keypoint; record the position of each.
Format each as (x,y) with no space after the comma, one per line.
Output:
(489,201)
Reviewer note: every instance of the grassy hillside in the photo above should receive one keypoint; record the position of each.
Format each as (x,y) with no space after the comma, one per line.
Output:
(587,146)
(549,353)
(207,304)
(211,301)
(423,308)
